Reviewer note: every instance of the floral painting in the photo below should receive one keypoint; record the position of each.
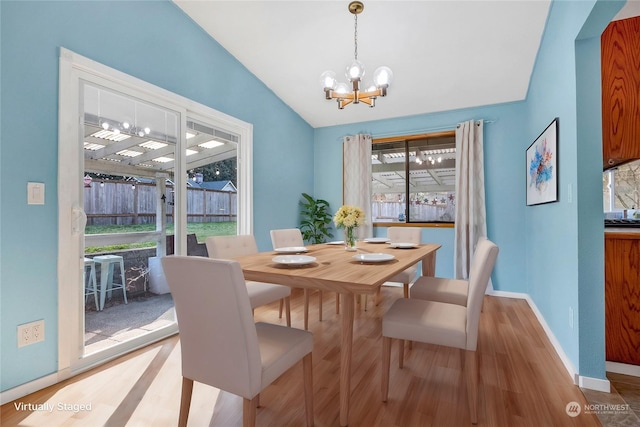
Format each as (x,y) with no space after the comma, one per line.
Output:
(542,167)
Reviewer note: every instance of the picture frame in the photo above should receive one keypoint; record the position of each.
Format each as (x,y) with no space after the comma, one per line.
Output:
(542,167)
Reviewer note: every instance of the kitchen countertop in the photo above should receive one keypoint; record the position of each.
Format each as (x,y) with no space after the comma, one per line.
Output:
(622,232)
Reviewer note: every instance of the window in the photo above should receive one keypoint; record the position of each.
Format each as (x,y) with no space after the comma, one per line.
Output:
(621,191)
(413,178)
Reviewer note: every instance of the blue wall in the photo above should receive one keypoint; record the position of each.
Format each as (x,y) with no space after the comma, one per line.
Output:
(552,252)
(151,40)
(504,162)
(565,254)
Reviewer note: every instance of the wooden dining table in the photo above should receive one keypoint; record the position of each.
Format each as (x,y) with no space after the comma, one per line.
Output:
(335,269)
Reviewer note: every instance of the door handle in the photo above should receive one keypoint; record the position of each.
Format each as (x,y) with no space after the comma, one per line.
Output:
(78,220)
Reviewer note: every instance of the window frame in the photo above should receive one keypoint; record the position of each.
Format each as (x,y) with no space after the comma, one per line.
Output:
(407,139)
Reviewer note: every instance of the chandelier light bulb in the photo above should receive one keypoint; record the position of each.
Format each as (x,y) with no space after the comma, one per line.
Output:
(125,125)
(328,80)
(342,89)
(382,76)
(116,131)
(355,71)
(140,134)
(105,125)
(147,131)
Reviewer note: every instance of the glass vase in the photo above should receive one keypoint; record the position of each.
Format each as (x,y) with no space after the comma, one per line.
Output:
(350,239)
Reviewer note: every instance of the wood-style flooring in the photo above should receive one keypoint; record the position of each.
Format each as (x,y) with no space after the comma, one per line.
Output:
(522,380)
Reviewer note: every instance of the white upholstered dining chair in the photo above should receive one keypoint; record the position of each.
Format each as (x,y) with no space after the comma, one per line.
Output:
(440,323)
(402,235)
(220,344)
(226,247)
(441,289)
(292,237)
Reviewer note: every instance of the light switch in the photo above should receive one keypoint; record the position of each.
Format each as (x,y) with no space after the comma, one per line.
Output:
(35,193)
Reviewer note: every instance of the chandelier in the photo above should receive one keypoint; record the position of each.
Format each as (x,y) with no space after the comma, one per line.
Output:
(346,95)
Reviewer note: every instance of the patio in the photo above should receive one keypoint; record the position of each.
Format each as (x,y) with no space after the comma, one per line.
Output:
(119,322)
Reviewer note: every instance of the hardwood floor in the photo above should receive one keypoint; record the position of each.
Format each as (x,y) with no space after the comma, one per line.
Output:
(522,381)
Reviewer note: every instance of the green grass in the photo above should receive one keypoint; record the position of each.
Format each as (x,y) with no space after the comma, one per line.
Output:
(201,229)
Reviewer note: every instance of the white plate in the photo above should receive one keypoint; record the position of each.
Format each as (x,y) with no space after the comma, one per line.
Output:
(376,240)
(291,250)
(402,245)
(373,257)
(336,242)
(293,259)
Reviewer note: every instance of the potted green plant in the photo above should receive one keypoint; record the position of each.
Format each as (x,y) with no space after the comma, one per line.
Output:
(315,219)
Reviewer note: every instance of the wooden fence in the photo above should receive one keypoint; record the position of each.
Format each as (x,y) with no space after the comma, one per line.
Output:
(391,211)
(127,203)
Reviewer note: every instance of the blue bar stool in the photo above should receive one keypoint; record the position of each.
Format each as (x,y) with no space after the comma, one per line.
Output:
(90,287)
(107,264)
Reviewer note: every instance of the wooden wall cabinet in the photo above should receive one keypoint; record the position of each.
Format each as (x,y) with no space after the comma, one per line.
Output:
(620,50)
(622,297)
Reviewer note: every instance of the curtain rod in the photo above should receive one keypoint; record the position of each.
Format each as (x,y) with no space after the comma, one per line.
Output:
(427,130)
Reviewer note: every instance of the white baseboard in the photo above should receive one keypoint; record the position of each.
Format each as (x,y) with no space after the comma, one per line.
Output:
(506,294)
(30,387)
(594,384)
(623,368)
(585,382)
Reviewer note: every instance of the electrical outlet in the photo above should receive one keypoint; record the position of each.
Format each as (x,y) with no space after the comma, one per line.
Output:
(37,331)
(30,333)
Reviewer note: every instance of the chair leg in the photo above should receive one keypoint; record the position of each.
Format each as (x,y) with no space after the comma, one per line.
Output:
(306,309)
(307,368)
(287,310)
(401,354)
(366,297)
(320,306)
(185,401)
(249,411)
(280,309)
(406,295)
(386,361)
(337,303)
(471,375)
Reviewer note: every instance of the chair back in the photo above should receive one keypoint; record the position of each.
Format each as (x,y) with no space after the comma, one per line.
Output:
(482,264)
(218,338)
(225,247)
(405,235)
(286,237)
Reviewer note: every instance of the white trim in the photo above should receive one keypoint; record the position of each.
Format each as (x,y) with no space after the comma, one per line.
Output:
(49,380)
(74,70)
(32,386)
(623,368)
(547,330)
(506,294)
(594,384)
(584,382)
(571,369)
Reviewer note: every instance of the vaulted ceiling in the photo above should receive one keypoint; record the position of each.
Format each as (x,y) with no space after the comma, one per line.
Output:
(445,55)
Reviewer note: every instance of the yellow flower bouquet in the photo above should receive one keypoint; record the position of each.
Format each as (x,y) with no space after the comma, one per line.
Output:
(349,217)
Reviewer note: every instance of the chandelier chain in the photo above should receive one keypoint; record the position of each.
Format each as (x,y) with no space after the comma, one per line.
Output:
(355,37)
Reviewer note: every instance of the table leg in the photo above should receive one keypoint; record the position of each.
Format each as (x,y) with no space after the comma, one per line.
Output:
(429,264)
(345,357)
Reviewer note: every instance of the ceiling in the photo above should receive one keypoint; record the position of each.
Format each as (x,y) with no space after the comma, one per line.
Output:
(445,55)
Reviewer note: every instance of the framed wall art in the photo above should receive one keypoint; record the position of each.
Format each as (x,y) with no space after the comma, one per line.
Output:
(542,167)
